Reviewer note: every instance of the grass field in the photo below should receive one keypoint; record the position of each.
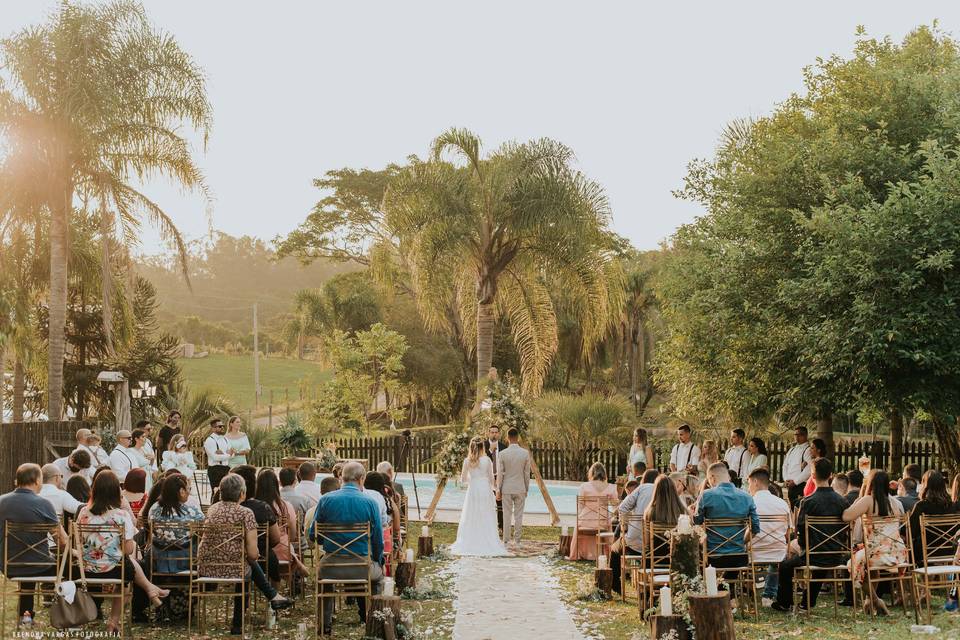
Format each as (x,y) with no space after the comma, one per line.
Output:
(233,376)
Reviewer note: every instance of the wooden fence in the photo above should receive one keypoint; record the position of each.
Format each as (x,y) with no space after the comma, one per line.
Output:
(27,442)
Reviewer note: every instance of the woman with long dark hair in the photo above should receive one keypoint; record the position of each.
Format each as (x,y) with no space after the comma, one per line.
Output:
(268,491)
(818,449)
(758,455)
(377,484)
(934,501)
(886,546)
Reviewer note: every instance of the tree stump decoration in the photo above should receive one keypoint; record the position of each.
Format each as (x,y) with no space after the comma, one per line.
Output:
(383,616)
(684,557)
(424,546)
(406,576)
(662,626)
(604,581)
(712,616)
(564,549)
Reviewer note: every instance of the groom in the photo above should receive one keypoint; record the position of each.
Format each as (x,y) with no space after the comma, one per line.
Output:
(513,483)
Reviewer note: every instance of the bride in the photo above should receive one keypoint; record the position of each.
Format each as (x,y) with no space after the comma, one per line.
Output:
(477,532)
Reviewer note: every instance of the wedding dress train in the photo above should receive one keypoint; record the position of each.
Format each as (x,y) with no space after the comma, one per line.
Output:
(477,533)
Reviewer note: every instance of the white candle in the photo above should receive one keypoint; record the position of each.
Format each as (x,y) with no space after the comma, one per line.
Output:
(683,524)
(388,586)
(666,604)
(710,576)
(409,555)
(424,531)
(565,530)
(602,562)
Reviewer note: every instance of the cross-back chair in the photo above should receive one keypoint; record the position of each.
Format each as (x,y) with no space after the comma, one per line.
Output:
(879,532)
(728,539)
(333,548)
(209,577)
(33,557)
(594,517)
(825,561)
(103,588)
(937,568)
(630,522)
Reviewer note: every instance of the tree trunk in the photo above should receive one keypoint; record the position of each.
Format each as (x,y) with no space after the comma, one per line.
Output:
(712,616)
(896,443)
(59,250)
(484,342)
(106,277)
(300,342)
(19,387)
(948,435)
(3,382)
(825,429)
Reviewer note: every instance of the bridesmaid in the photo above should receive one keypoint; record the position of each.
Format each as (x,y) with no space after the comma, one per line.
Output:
(238,441)
(640,451)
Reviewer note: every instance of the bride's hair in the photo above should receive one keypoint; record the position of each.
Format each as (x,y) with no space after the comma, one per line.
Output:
(476,452)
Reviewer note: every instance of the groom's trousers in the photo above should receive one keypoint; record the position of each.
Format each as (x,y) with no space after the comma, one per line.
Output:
(513,512)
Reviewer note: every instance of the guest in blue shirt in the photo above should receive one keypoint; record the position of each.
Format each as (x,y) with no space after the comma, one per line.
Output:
(349,505)
(727,546)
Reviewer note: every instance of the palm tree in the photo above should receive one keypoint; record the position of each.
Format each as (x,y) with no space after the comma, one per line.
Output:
(95,100)
(491,230)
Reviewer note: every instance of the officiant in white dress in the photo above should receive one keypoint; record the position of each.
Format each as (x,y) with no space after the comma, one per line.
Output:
(477,533)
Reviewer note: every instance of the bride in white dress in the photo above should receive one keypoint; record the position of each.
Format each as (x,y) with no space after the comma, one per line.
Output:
(477,533)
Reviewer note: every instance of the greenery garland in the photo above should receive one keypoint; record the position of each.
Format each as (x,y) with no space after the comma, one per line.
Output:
(504,406)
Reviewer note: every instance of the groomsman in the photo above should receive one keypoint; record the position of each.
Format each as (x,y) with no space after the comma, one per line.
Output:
(494,447)
(736,456)
(685,456)
(797,466)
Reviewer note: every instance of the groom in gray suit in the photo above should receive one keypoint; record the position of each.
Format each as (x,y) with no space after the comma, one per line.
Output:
(513,483)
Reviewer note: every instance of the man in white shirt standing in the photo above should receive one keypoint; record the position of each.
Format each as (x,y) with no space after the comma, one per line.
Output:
(91,444)
(218,453)
(770,545)
(52,490)
(736,456)
(121,459)
(685,456)
(796,466)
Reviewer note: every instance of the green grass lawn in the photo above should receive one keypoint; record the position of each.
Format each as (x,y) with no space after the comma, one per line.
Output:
(233,377)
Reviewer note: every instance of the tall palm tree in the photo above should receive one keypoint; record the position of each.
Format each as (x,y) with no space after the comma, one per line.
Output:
(491,228)
(96,98)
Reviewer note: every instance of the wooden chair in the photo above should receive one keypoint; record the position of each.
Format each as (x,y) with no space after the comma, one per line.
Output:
(333,546)
(938,568)
(204,491)
(404,516)
(172,541)
(835,542)
(214,538)
(767,537)
(104,588)
(881,530)
(33,539)
(630,522)
(655,571)
(594,518)
(728,536)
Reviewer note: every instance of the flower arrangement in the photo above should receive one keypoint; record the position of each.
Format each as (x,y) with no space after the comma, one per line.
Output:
(504,405)
(453,451)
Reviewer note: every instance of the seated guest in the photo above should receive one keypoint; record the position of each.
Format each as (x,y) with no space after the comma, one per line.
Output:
(308,485)
(375,486)
(288,491)
(24,505)
(179,457)
(264,516)
(886,546)
(680,482)
(328,485)
(134,489)
(723,500)
(630,487)
(387,469)
(824,502)
(103,552)
(337,472)
(840,484)
(214,552)
(52,490)
(349,505)
(907,492)
(268,491)
(594,515)
(172,509)
(78,462)
(770,546)
(818,449)
(933,501)
(79,488)
(855,482)
(669,507)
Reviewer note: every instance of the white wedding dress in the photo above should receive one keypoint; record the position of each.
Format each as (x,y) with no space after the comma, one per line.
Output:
(477,533)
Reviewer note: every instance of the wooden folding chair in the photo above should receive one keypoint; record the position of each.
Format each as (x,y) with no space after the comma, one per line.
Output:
(731,539)
(35,545)
(828,557)
(211,538)
(655,565)
(107,588)
(593,518)
(333,543)
(630,522)
(880,531)
(169,545)
(938,568)
(204,491)
(769,540)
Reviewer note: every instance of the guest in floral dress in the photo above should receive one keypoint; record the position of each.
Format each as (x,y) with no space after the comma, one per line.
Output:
(212,552)
(103,553)
(886,545)
(594,513)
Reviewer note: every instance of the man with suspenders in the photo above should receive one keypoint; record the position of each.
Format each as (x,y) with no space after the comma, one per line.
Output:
(796,466)
(737,454)
(121,460)
(685,456)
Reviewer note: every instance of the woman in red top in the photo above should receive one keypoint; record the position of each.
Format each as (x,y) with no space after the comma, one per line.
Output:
(818,449)
(134,489)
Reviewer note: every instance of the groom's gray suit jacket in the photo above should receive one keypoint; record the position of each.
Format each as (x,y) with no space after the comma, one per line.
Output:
(513,471)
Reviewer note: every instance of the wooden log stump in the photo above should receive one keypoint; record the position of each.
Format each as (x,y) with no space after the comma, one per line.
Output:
(661,626)
(565,541)
(604,580)
(383,616)
(424,546)
(684,557)
(712,616)
(406,576)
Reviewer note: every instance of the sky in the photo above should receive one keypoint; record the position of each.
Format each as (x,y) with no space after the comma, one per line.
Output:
(636,89)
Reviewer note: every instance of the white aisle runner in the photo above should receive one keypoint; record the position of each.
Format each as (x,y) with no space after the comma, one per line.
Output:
(509,599)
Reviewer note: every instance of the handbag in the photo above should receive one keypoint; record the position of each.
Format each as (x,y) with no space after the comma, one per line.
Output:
(83,610)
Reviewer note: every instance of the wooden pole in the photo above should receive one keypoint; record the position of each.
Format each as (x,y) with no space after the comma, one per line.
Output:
(565,542)
(424,546)
(431,510)
(406,576)
(383,625)
(712,616)
(662,626)
(555,517)
(256,360)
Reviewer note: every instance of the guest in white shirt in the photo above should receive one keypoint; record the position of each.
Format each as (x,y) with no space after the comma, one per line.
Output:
(308,485)
(122,459)
(77,463)
(635,504)
(685,456)
(52,490)
(218,453)
(736,455)
(797,465)
(288,491)
(757,457)
(770,545)
(179,457)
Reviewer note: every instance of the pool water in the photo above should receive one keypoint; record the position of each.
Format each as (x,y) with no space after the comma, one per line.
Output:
(564,495)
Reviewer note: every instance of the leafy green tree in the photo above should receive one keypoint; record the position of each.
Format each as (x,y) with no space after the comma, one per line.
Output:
(94,100)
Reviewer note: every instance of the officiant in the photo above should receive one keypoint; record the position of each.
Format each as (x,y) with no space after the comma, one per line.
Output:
(494,447)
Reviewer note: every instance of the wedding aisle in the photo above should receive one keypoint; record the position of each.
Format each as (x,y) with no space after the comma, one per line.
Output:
(509,599)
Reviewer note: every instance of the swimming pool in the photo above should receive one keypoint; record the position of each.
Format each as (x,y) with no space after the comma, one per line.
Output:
(564,495)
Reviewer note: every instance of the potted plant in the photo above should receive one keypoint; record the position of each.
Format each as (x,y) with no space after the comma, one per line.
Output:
(293,437)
